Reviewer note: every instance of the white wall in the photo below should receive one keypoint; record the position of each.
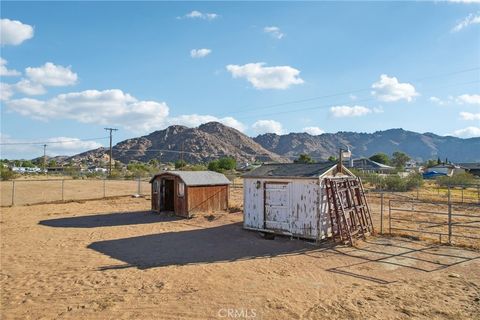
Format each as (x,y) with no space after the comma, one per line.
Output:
(308,207)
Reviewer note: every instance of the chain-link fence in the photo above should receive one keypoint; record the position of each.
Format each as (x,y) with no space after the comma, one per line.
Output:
(24,192)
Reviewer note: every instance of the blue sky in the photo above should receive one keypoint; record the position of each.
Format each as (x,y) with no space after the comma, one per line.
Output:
(71,69)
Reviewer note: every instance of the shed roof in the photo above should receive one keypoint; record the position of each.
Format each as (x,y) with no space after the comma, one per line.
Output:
(197,178)
(291,170)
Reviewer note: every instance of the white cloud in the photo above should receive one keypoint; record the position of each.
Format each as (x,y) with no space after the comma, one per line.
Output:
(199,15)
(200,53)
(52,75)
(347,111)
(267,126)
(314,131)
(388,89)
(194,120)
(4,71)
(437,101)
(468,20)
(469,116)
(468,132)
(13,32)
(274,32)
(6,91)
(29,88)
(110,107)
(469,99)
(279,77)
(55,146)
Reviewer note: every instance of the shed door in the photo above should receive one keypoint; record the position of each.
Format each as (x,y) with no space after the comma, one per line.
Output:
(276,206)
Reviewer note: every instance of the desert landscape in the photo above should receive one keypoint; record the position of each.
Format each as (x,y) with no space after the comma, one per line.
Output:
(114,259)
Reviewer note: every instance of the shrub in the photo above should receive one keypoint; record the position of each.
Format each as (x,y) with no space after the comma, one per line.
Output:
(227,163)
(380,158)
(6,174)
(457,179)
(180,164)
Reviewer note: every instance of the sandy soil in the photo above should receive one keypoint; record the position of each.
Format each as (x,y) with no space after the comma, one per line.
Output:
(113,259)
(43,191)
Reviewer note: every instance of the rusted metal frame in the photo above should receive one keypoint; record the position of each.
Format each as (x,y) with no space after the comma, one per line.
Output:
(344,218)
(365,202)
(331,210)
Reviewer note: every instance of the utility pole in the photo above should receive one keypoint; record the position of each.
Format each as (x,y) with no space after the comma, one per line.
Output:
(45,158)
(181,157)
(111,153)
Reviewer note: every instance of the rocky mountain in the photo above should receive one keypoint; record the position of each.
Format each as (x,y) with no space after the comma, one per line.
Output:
(207,142)
(419,146)
(212,140)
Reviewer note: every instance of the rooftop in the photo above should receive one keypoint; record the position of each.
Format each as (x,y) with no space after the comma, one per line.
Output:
(284,170)
(197,178)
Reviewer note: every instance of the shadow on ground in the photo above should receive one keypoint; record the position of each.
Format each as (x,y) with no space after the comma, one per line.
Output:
(108,220)
(223,243)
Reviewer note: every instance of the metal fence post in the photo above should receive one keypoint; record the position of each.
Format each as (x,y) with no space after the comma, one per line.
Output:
(63,189)
(417,191)
(104,188)
(13,192)
(390,217)
(449,217)
(381,213)
(478,193)
(138,186)
(462,193)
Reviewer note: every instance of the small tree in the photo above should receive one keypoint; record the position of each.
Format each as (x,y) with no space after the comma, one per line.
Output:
(52,163)
(214,166)
(179,164)
(380,158)
(304,158)
(227,163)
(332,159)
(399,159)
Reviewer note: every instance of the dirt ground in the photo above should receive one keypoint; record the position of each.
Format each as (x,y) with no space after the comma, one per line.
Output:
(113,259)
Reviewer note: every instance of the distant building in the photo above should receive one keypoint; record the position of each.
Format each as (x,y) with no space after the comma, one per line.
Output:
(446,169)
(367,165)
(472,167)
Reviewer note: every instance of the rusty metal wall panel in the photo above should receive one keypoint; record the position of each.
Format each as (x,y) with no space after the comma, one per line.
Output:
(207,198)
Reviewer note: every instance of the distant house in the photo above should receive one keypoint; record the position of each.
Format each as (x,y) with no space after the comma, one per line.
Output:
(447,169)
(186,192)
(472,167)
(367,165)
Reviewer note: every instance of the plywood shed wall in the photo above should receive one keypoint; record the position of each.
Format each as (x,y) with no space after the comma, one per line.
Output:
(187,192)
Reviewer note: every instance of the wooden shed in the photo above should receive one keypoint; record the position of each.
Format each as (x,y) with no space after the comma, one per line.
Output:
(289,199)
(186,192)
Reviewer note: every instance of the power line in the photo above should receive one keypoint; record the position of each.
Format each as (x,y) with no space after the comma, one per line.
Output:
(51,142)
(249,109)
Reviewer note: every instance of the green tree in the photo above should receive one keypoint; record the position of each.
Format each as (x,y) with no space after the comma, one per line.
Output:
(304,158)
(179,164)
(52,163)
(227,163)
(380,158)
(399,159)
(332,159)
(27,164)
(214,166)
(430,163)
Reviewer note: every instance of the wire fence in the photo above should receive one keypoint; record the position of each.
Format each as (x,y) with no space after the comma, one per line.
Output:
(26,192)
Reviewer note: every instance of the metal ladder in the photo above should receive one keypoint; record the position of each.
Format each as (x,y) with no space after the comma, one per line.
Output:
(348,209)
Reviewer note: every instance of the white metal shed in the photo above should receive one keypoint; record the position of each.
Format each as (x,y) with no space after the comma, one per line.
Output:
(289,199)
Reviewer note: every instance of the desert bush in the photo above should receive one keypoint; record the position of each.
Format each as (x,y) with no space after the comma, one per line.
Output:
(6,174)
(463,178)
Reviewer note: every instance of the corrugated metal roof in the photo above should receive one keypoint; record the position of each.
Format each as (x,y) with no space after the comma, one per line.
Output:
(293,170)
(367,164)
(197,178)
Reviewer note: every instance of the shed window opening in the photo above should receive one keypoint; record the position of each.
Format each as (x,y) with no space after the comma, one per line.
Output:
(181,189)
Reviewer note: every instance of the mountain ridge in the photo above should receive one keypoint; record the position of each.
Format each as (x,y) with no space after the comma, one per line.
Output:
(212,140)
